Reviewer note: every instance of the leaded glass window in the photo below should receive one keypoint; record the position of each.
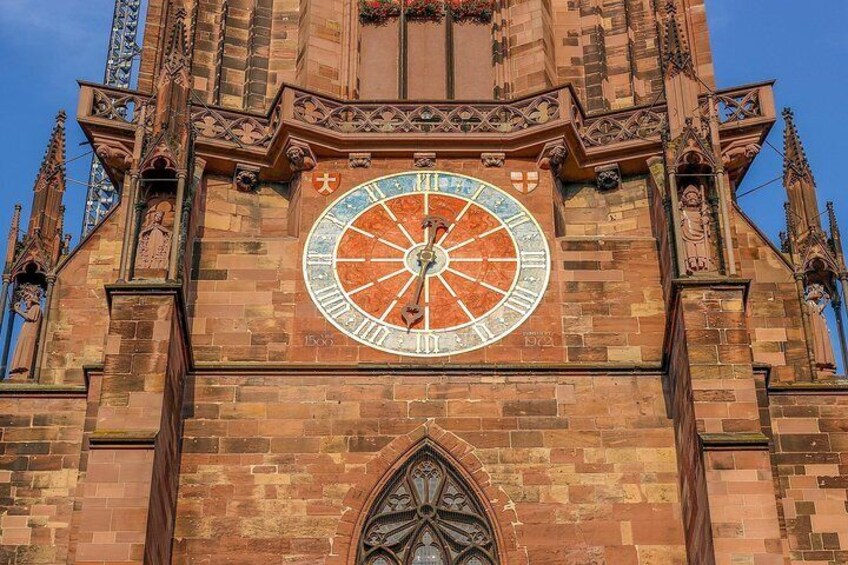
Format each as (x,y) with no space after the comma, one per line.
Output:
(427,515)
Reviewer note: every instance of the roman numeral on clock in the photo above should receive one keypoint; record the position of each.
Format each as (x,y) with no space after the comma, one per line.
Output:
(372,332)
(319,259)
(374,192)
(426,343)
(534,259)
(514,221)
(521,300)
(332,300)
(336,221)
(483,331)
(427,182)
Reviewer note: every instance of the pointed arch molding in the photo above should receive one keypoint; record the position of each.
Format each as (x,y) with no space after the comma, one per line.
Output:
(382,471)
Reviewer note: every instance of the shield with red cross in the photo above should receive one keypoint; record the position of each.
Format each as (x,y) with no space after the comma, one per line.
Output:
(326,183)
(524,182)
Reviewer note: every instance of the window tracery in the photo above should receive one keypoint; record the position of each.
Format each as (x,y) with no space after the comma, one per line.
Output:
(427,515)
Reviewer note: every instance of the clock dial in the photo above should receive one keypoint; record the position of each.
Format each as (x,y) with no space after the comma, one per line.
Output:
(426,263)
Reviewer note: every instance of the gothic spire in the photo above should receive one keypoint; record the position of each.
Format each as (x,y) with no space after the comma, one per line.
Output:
(177,55)
(41,245)
(676,53)
(795,162)
(835,236)
(831,218)
(14,232)
(798,178)
(166,141)
(45,215)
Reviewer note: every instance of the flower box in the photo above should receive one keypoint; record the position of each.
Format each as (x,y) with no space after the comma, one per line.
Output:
(425,10)
(475,11)
(378,12)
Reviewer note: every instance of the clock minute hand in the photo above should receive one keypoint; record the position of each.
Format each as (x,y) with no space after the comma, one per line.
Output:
(412,313)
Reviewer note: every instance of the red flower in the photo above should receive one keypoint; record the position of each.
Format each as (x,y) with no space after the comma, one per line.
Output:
(378,12)
(479,11)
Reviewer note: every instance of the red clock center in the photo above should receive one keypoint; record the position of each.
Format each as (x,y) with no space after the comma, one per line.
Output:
(472,268)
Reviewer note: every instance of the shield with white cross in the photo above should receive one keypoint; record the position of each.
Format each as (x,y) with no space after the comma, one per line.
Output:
(326,183)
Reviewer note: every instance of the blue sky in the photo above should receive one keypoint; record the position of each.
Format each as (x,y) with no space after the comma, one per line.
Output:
(45,45)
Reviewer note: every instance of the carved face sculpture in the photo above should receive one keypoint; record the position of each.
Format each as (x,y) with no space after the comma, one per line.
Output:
(29,294)
(158,217)
(426,263)
(691,197)
(816,292)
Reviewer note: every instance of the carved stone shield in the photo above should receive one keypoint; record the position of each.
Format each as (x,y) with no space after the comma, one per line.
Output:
(326,183)
(524,182)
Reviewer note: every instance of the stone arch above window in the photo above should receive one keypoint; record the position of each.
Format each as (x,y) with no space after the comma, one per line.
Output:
(427,514)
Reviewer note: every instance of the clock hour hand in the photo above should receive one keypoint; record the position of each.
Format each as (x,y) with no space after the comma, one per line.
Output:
(413,312)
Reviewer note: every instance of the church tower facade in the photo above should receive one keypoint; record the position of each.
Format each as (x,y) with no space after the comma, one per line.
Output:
(445,282)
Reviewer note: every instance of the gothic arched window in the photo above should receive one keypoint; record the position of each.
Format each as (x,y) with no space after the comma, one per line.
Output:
(427,515)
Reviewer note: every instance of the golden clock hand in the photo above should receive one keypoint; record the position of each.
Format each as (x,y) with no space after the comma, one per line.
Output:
(412,313)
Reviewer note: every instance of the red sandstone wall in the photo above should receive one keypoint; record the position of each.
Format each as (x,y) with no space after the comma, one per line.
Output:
(604,302)
(810,435)
(607,48)
(77,322)
(580,469)
(774,311)
(609,277)
(40,445)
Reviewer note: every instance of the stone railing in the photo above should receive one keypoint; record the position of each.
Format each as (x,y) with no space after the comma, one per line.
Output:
(735,106)
(245,130)
(301,109)
(212,124)
(608,129)
(115,104)
(740,104)
(413,117)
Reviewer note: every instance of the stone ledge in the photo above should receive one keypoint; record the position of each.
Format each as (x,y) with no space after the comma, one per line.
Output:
(122,440)
(145,287)
(13,390)
(712,282)
(834,386)
(734,441)
(202,369)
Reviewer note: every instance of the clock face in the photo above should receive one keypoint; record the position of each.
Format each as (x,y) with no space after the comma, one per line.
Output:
(426,263)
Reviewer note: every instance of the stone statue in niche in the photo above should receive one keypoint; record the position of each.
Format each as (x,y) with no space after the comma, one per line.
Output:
(816,299)
(28,306)
(154,240)
(695,229)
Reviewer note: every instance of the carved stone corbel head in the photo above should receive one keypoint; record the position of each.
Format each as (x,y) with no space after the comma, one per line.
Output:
(359,160)
(552,157)
(738,157)
(300,156)
(114,155)
(492,160)
(424,160)
(246,177)
(608,177)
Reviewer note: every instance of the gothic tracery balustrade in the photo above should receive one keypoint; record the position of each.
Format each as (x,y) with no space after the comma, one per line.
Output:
(734,106)
(296,107)
(644,124)
(116,104)
(356,117)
